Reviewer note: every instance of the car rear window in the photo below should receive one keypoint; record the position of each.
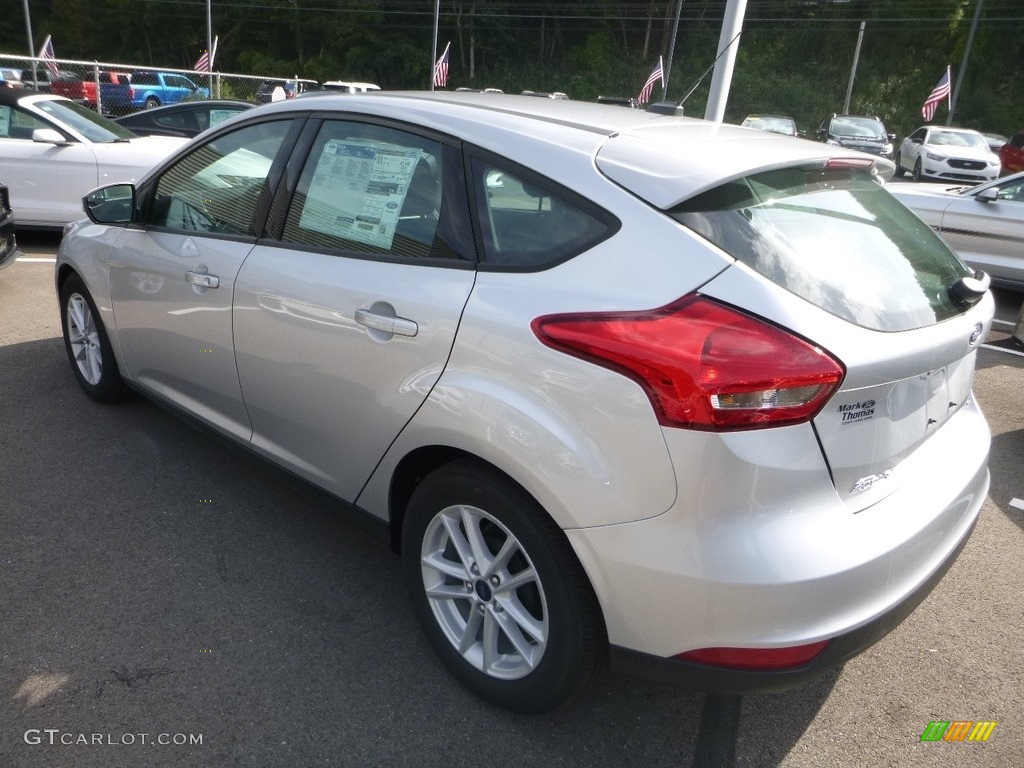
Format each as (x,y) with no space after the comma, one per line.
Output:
(836,238)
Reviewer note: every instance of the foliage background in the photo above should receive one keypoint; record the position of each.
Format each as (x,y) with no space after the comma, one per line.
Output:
(795,56)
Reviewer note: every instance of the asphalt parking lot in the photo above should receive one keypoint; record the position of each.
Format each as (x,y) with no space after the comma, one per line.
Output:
(167,601)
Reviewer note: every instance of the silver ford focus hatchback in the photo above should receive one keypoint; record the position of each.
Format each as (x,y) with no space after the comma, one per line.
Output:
(686,398)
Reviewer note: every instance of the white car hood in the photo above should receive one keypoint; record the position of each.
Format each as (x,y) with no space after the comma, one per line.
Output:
(129,160)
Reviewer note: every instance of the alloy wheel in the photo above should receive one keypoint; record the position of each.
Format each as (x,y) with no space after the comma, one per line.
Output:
(484,592)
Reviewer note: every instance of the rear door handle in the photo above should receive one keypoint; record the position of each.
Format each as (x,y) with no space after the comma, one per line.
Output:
(386,323)
(202,279)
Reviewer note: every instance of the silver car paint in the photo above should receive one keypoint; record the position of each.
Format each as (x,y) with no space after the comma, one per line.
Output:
(912,376)
(987,234)
(176,336)
(691,539)
(326,394)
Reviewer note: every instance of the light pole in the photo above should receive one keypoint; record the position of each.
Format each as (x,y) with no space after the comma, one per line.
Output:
(28,27)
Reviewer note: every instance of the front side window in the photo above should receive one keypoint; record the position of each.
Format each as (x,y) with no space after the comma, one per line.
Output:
(835,238)
(370,189)
(17,123)
(216,187)
(528,223)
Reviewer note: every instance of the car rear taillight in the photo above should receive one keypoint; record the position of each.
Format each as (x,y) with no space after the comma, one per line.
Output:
(756,658)
(704,365)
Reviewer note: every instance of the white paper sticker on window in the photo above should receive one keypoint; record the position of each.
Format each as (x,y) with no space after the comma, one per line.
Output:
(358,190)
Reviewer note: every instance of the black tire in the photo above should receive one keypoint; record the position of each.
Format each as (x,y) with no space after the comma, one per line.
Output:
(151,103)
(522,674)
(917,170)
(88,347)
(899,168)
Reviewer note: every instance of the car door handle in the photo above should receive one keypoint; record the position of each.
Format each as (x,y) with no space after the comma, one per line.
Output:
(386,323)
(202,280)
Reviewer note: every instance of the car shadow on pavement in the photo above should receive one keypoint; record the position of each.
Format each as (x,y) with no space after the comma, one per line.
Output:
(153,578)
(1007,489)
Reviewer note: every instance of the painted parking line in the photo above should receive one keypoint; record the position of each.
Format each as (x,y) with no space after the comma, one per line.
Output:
(37,259)
(1017,503)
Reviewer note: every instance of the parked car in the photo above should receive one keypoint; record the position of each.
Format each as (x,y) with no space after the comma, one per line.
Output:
(8,241)
(773,123)
(944,153)
(860,132)
(629,102)
(113,97)
(10,78)
(187,118)
(38,80)
(266,90)
(994,140)
(154,89)
(53,151)
(983,224)
(345,86)
(695,400)
(1011,154)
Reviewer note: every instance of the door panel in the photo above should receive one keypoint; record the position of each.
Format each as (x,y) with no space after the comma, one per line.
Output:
(341,333)
(328,385)
(175,333)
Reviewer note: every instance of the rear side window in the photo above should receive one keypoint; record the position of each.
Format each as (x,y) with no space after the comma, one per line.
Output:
(527,222)
(835,238)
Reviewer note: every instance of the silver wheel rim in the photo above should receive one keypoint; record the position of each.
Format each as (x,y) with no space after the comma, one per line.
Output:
(484,592)
(85,339)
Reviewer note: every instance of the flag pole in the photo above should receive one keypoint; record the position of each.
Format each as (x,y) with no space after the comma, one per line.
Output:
(433,53)
(954,93)
(209,46)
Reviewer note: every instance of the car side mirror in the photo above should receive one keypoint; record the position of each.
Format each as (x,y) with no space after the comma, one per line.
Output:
(989,195)
(112,204)
(48,136)
(891,137)
(916,141)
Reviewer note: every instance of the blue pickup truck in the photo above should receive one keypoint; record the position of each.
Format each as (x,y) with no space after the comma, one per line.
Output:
(154,89)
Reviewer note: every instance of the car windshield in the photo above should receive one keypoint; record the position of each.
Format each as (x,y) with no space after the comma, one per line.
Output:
(835,238)
(94,127)
(957,139)
(773,124)
(860,127)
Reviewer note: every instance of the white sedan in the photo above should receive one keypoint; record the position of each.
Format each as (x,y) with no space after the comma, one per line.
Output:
(53,151)
(953,154)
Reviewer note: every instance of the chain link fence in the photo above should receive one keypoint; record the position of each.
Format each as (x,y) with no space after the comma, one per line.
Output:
(116,89)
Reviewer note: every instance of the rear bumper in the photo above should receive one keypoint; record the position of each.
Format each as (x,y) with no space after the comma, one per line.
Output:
(766,556)
(711,679)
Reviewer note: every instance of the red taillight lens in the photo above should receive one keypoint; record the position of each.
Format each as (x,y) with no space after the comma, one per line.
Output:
(703,364)
(756,658)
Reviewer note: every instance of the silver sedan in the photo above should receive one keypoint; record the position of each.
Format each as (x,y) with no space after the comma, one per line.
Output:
(620,386)
(983,224)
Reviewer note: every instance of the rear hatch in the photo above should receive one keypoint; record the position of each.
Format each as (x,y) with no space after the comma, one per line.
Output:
(880,293)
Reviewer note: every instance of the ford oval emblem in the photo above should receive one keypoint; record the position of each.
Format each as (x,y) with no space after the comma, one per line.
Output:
(976,333)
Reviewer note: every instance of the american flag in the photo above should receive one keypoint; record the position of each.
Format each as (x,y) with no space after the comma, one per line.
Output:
(47,55)
(205,62)
(441,69)
(940,92)
(656,76)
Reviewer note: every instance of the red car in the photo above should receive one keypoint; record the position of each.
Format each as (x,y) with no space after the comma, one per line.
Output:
(1011,155)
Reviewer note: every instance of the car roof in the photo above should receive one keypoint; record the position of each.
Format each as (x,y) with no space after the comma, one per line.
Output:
(663,159)
(10,96)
